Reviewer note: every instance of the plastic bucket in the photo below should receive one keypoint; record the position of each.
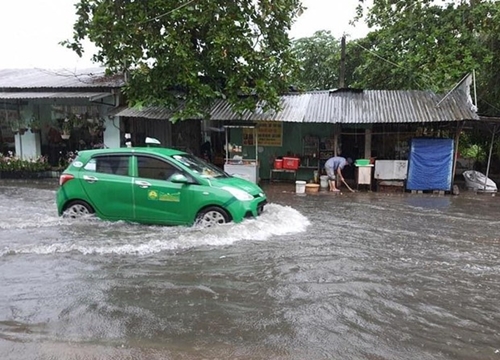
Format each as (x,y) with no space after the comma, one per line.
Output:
(300,187)
(323,181)
(278,164)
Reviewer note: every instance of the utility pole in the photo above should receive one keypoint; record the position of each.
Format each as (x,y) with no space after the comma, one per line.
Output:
(337,128)
(342,63)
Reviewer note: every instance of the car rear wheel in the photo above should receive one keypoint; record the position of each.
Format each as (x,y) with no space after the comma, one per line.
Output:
(212,216)
(77,209)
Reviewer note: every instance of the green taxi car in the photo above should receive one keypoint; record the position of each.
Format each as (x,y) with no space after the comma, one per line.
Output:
(154,185)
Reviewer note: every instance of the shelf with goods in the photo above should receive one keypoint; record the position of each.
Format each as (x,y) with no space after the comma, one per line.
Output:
(236,163)
(326,150)
(310,153)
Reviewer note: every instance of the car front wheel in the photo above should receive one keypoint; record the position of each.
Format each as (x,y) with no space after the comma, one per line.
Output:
(211,216)
(77,209)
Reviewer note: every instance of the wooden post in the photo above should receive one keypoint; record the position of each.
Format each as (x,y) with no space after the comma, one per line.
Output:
(457,139)
(336,134)
(489,156)
(342,64)
(368,143)
(341,85)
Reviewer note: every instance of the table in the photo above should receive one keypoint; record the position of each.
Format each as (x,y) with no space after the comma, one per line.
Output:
(289,171)
(249,172)
(364,175)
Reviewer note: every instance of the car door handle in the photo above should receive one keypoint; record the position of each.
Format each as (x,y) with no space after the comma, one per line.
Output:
(143,184)
(90,179)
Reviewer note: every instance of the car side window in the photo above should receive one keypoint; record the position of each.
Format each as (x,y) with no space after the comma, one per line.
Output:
(110,164)
(153,168)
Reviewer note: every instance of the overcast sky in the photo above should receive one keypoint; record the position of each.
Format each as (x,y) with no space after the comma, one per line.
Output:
(30,30)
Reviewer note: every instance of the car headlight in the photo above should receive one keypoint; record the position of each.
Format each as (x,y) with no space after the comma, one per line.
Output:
(238,193)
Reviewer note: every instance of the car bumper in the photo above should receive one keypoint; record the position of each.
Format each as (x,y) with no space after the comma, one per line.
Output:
(61,199)
(240,210)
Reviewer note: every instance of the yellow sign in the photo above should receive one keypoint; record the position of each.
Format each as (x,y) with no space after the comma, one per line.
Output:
(161,196)
(270,133)
(173,197)
(153,195)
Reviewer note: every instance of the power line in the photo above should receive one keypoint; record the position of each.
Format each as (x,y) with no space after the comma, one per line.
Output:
(170,11)
(391,62)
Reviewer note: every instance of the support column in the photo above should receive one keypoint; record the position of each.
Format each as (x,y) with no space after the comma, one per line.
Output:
(111,135)
(460,127)
(28,145)
(368,143)
(336,136)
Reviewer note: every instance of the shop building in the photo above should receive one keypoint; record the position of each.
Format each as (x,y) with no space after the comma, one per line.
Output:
(49,113)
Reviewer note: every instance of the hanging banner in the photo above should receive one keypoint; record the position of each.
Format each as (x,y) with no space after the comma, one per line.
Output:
(270,133)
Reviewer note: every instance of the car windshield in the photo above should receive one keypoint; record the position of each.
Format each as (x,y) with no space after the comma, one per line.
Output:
(200,166)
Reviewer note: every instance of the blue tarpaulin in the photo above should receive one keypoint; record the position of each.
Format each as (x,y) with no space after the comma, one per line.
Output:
(430,164)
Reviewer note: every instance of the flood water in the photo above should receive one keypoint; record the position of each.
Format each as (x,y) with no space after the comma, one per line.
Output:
(352,276)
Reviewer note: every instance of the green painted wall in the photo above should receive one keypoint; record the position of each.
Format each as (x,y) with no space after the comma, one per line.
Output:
(293,134)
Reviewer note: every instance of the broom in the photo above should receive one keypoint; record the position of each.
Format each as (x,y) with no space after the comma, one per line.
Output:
(351,190)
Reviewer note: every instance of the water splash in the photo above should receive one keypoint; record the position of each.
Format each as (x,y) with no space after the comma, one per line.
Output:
(101,237)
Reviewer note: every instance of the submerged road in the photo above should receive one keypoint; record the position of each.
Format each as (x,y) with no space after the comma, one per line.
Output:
(352,276)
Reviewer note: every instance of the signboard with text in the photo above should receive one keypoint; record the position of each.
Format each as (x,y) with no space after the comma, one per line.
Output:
(270,133)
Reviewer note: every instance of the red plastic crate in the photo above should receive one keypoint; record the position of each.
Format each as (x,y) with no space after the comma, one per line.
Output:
(291,163)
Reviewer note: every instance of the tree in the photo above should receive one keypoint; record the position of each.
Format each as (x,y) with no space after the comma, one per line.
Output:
(318,58)
(193,52)
(431,44)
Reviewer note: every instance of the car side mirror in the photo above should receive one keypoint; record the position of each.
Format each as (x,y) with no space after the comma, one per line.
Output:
(179,179)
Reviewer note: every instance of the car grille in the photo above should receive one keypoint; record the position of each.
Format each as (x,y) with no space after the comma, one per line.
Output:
(260,209)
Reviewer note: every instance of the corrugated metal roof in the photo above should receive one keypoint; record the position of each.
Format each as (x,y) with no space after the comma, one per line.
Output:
(386,106)
(343,106)
(293,109)
(52,95)
(40,78)
(147,112)
(346,106)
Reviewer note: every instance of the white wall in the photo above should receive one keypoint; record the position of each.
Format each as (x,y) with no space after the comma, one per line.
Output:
(28,145)
(112,132)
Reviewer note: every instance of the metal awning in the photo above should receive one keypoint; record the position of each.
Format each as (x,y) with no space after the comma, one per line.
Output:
(146,112)
(53,95)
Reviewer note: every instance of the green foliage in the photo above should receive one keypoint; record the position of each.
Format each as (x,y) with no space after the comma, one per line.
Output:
(475,152)
(318,57)
(193,52)
(431,44)
(11,163)
(34,124)
(472,146)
